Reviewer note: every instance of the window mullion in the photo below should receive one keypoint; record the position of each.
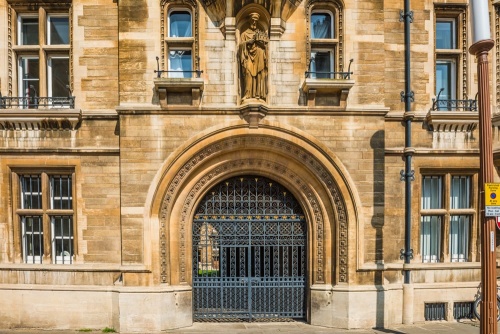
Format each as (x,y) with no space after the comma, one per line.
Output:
(46,218)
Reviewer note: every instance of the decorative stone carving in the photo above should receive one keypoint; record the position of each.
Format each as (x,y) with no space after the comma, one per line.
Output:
(266,144)
(252,57)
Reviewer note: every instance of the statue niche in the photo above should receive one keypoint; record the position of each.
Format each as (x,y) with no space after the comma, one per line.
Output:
(252,58)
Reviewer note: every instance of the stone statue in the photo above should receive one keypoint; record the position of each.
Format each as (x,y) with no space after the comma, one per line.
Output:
(253,60)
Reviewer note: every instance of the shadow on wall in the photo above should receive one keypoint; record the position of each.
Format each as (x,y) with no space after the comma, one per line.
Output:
(377,143)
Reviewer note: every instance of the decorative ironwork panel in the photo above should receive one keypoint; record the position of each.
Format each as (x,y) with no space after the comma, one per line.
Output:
(249,239)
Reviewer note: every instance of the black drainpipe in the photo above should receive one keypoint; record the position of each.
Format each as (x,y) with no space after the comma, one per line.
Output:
(407,174)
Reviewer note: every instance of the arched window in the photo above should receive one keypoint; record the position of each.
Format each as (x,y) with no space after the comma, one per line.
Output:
(180,44)
(180,24)
(325,39)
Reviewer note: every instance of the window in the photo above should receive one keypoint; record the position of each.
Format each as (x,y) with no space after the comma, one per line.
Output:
(45,213)
(447,213)
(42,53)
(323,44)
(450,55)
(446,62)
(180,44)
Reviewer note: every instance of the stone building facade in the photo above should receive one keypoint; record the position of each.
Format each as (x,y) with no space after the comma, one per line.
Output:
(143,141)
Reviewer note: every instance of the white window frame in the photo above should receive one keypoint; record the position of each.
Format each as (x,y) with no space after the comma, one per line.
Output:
(448,211)
(53,197)
(48,34)
(20,29)
(57,258)
(49,74)
(31,259)
(332,63)
(453,76)
(454,41)
(179,9)
(180,74)
(20,72)
(47,214)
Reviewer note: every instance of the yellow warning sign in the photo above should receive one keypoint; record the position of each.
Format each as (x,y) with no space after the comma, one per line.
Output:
(492,194)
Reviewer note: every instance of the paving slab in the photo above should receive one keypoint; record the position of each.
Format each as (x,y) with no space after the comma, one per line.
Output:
(294,327)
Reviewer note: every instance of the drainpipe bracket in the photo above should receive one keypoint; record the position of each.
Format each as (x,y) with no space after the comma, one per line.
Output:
(403,16)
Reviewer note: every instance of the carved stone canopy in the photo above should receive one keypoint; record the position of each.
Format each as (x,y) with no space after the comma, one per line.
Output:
(219,10)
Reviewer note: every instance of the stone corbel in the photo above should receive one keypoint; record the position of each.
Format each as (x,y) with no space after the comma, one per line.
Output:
(230,28)
(184,91)
(253,113)
(277,28)
(334,92)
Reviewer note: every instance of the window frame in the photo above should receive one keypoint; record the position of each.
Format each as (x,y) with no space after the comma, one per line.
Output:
(452,80)
(179,74)
(458,55)
(332,23)
(179,43)
(43,50)
(333,44)
(315,74)
(445,214)
(48,35)
(46,214)
(19,29)
(50,73)
(174,10)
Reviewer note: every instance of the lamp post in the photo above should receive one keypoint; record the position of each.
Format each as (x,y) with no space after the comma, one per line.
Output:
(482,44)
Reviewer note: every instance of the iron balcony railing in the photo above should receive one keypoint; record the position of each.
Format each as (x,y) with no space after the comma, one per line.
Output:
(439,104)
(7,102)
(329,75)
(32,101)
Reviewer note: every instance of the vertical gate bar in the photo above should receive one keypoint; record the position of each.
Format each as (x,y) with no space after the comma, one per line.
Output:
(249,270)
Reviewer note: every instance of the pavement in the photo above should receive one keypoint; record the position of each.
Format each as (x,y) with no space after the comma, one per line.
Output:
(439,327)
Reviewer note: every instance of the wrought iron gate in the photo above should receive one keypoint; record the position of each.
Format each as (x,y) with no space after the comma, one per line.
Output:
(249,252)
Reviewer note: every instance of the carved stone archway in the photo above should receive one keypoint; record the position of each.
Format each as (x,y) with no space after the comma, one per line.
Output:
(307,171)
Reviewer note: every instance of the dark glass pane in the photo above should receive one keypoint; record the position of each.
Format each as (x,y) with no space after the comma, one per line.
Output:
(444,80)
(61,192)
(321,25)
(30,69)
(445,35)
(59,30)
(63,226)
(32,238)
(322,64)
(31,192)
(29,31)
(432,193)
(60,76)
(460,193)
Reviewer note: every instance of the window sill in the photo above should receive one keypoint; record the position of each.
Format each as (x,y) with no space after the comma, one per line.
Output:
(179,91)
(75,267)
(421,266)
(452,121)
(327,92)
(39,119)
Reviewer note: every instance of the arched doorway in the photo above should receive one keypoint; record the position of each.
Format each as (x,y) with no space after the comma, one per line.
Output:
(249,252)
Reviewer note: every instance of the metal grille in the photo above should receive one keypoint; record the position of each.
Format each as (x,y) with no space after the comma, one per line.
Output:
(249,251)
(435,311)
(462,310)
